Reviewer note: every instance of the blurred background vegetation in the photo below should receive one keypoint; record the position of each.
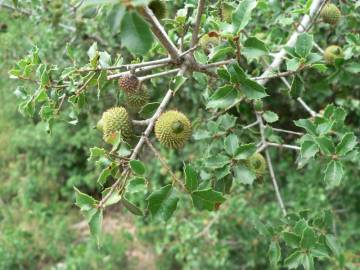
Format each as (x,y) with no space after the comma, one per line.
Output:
(40,227)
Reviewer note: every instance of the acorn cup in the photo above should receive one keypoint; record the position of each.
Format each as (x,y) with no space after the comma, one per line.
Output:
(173,129)
(115,120)
(331,14)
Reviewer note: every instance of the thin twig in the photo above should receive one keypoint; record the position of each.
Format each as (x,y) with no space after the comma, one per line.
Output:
(271,169)
(160,74)
(164,163)
(142,69)
(278,75)
(83,87)
(129,66)
(216,64)
(302,102)
(141,122)
(289,146)
(160,33)
(251,125)
(318,47)
(200,10)
(287,131)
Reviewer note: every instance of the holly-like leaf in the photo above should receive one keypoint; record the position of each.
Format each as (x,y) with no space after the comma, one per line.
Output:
(347,143)
(308,262)
(244,174)
(307,125)
(163,202)
(326,145)
(135,33)
(308,149)
(254,48)
(149,109)
(217,161)
(131,207)
(137,167)
(291,239)
(191,178)
(83,201)
(231,144)
(332,243)
(308,238)
(245,151)
(206,199)
(304,44)
(224,97)
(334,172)
(95,225)
(297,87)
(270,116)
(252,89)
(242,14)
(274,253)
(294,259)
(105,173)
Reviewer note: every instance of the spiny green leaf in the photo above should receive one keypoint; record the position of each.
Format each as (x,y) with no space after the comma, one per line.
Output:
(163,202)
(191,178)
(206,199)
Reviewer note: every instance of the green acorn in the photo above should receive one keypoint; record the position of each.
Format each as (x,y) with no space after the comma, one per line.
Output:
(116,120)
(209,40)
(138,99)
(331,14)
(129,83)
(173,129)
(100,125)
(332,53)
(158,7)
(257,164)
(227,11)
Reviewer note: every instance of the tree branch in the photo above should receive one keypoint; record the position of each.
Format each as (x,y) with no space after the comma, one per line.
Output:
(200,10)
(271,169)
(279,57)
(160,33)
(130,66)
(297,148)
(121,74)
(160,74)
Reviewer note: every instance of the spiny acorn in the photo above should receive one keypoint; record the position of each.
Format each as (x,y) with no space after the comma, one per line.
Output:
(116,120)
(158,7)
(257,164)
(332,53)
(129,83)
(173,129)
(331,14)
(137,99)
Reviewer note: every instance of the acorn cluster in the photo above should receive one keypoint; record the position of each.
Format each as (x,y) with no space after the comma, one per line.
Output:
(331,14)
(172,128)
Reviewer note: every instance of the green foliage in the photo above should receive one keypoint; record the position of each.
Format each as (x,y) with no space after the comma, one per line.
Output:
(201,207)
